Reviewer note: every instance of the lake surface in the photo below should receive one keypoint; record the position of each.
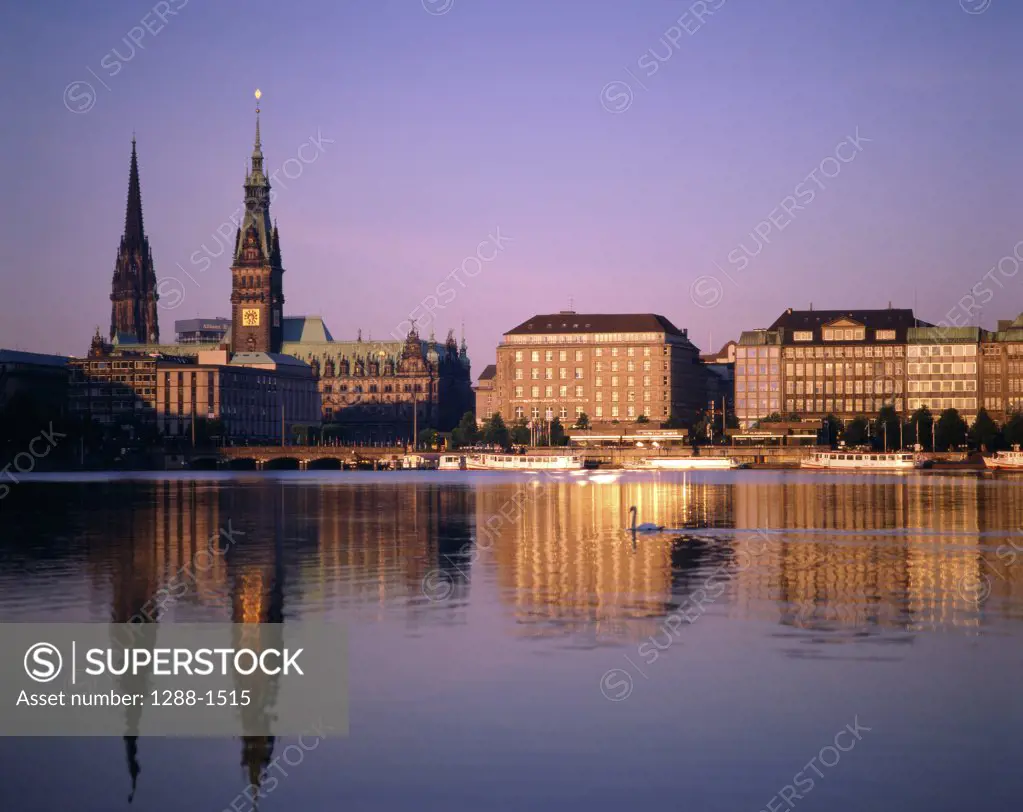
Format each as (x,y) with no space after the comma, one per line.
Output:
(557,662)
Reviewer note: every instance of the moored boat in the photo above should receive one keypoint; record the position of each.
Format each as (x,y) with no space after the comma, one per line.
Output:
(523,462)
(451,462)
(863,461)
(1005,460)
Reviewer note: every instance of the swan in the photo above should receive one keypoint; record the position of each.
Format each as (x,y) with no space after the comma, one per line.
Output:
(646,527)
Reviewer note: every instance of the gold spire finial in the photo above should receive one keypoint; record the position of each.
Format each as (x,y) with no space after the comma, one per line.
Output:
(258,94)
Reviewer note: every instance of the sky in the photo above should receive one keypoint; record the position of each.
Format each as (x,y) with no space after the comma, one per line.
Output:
(479,161)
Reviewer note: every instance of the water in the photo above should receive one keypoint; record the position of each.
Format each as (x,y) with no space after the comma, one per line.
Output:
(560,664)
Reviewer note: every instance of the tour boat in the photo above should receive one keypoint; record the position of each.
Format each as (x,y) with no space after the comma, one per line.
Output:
(863,461)
(688,463)
(523,462)
(1006,460)
(451,462)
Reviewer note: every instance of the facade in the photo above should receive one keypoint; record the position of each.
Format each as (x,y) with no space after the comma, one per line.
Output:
(485,394)
(257,293)
(818,362)
(943,370)
(202,331)
(256,397)
(43,379)
(1001,361)
(720,367)
(133,295)
(370,389)
(612,367)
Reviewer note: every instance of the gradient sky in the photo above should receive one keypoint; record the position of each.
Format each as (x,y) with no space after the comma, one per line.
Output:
(447,127)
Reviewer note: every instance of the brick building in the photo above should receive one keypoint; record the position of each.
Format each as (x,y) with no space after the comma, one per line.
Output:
(612,367)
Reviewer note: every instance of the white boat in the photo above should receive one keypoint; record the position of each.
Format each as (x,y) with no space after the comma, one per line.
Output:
(417,462)
(1006,460)
(451,462)
(863,461)
(688,463)
(523,462)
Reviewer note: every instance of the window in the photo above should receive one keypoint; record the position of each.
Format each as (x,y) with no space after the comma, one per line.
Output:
(578,373)
(802,335)
(563,391)
(518,356)
(549,355)
(548,374)
(534,374)
(563,373)
(548,391)
(578,391)
(535,391)
(519,413)
(562,355)
(535,355)
(578,355)
(518,391)
(884,335)
(518,374)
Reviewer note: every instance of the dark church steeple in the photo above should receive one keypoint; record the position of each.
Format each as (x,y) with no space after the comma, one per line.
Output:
(133,294)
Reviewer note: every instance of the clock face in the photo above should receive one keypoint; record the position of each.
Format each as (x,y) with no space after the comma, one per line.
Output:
(250,317)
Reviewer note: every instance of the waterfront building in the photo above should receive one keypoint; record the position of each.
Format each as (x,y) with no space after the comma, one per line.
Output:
(943,369)
(612,367)
(720,367)
(1001,377)
(818,362)
(256,397)
(41,379)
(485,394)
(133,297)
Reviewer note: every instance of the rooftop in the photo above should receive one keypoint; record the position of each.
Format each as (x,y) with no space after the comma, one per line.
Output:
(571,322)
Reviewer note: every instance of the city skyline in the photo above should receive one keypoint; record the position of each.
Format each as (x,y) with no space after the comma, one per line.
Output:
(406,135)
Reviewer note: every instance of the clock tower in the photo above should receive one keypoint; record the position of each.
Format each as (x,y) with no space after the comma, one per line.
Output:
(257,293)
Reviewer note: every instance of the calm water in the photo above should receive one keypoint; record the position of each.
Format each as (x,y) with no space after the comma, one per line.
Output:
(551,668)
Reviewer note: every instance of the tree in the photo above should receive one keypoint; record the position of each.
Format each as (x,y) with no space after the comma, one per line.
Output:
(888,428)
(466,433)
(950,431)
(558,436)
(429,438)
(831,431)
(495,431)
(855,432)
(984,431)
(642,419)
(1012,431)
(582,422)
(520,433)
(920,426)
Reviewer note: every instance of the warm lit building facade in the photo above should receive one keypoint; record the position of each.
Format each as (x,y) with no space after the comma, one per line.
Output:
(612,367)
(819,362)
(943,370)
(256,397)
(486,400)
(1001,362)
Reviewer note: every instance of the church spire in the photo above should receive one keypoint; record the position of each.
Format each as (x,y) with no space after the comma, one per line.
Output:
(133,295)
(134,234)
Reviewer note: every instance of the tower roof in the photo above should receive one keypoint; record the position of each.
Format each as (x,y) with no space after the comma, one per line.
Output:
(134,233)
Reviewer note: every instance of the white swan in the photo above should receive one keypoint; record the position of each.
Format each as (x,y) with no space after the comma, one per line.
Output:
(646,527)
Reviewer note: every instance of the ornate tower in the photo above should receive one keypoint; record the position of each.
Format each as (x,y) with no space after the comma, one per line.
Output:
(257,293)
(133,294)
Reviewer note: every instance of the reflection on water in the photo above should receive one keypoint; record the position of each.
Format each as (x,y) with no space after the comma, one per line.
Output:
(544,563)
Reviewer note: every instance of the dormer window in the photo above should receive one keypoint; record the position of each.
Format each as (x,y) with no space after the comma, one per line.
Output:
(884,335)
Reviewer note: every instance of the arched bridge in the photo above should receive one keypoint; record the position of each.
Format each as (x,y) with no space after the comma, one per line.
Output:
(298,456)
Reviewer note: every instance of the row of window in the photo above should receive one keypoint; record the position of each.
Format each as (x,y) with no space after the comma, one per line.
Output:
(599,352)
(563,392)
(968,368)
(944,350)
(845,352)
(940,404)
(943,386)
(867,387)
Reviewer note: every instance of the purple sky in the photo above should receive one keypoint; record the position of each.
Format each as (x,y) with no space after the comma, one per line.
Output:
(447,127)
